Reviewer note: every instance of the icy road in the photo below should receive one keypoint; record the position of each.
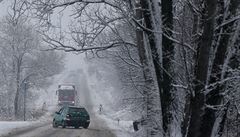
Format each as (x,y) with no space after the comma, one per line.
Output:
(97,128)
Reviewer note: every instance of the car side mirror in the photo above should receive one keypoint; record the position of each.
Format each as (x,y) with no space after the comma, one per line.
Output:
(57,113)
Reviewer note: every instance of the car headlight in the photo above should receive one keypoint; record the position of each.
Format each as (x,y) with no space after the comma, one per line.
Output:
(73,102)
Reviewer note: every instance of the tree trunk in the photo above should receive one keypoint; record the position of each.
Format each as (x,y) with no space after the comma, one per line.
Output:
(215,97)
(194,42)
(168,53)
(154,39)
(201,70)
(152,116)
(16,100)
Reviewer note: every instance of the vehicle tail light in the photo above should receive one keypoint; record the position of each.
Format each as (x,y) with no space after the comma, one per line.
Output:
(68,116)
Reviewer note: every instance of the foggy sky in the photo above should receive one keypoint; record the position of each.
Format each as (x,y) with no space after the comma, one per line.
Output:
(72,62)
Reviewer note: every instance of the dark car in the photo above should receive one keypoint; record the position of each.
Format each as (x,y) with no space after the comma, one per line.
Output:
(71,116)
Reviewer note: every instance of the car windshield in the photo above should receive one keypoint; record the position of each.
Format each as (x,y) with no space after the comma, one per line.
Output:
(77,110)
(66,92)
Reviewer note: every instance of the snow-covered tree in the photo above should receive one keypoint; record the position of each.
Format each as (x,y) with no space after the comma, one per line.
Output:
(186,51)
(22,58)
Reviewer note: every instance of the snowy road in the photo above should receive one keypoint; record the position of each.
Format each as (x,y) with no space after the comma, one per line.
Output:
(97,128)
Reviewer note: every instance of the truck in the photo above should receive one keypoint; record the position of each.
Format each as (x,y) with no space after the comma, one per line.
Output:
(66,94)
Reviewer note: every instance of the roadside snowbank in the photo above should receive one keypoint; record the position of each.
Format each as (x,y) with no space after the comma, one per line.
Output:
(120,128)
(12,126)
(9,126)
(114,120)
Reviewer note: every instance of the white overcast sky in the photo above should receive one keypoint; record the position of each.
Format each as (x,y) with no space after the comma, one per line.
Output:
(73,62)
(4,6)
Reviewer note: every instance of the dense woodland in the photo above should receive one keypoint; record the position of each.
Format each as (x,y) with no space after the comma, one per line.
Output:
(178,60)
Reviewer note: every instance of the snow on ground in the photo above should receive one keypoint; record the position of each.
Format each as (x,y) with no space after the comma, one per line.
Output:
(8,126)
(11,126)
(120,127)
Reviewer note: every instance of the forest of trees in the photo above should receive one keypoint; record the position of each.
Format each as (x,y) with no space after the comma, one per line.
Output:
(24,65)
(179,59)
